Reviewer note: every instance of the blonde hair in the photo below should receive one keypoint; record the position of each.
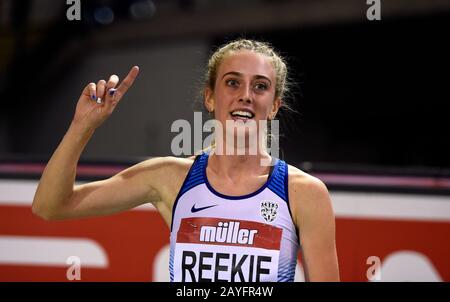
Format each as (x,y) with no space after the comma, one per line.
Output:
(259,47)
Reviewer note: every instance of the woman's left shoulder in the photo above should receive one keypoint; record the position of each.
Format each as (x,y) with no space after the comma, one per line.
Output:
(308,195)
(300,181)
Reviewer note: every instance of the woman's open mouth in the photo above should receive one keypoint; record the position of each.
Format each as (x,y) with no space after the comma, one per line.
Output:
(242,115)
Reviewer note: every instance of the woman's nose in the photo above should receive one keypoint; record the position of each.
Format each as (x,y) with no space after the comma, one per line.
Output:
(246,94)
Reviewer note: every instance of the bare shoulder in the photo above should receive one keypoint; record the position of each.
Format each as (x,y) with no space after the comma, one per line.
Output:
(302,182)
(168,169)
(308,196)
(166,163)
(164,175)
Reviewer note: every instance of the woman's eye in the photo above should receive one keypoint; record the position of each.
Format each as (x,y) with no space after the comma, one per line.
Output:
(232,82)
(261,86)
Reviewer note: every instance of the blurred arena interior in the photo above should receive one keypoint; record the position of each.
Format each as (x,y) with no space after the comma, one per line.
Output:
(371,121)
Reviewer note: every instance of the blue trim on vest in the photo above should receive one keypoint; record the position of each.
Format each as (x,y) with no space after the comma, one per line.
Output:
(193,178)
(278,183)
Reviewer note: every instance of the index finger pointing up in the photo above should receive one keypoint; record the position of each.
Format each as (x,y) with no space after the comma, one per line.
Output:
(128,81)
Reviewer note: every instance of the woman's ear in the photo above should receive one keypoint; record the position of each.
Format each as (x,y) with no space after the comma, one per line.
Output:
(208,99)
(275,107)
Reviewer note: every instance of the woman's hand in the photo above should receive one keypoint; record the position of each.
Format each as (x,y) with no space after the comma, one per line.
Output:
(98,101)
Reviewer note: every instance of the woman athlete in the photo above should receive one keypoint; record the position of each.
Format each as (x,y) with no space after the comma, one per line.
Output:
(231,218)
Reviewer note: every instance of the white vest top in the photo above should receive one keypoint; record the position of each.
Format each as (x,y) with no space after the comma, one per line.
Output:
(215,237)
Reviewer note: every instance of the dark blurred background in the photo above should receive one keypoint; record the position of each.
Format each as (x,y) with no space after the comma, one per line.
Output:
(368,94)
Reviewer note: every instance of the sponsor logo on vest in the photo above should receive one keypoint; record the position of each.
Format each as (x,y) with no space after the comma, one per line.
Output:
(269,210)
(228,232)
(194,209)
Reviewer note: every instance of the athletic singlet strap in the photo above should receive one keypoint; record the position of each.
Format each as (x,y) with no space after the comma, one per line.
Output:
(195,175)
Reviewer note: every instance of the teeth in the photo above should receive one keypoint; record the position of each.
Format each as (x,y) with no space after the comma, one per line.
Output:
(242,113)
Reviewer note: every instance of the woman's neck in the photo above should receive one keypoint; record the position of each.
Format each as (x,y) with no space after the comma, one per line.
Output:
(232,165)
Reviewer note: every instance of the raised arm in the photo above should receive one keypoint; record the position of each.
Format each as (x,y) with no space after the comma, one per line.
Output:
(313,214)
(56,196)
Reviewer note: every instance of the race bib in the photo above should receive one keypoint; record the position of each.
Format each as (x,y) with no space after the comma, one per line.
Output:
(216,249)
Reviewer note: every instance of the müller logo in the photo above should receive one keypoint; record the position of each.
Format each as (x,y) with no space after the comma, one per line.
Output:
(228,232)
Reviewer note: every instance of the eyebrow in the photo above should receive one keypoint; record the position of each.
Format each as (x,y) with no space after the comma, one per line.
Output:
(238,74)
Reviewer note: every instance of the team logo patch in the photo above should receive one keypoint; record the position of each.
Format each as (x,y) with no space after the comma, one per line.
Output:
(269,210)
